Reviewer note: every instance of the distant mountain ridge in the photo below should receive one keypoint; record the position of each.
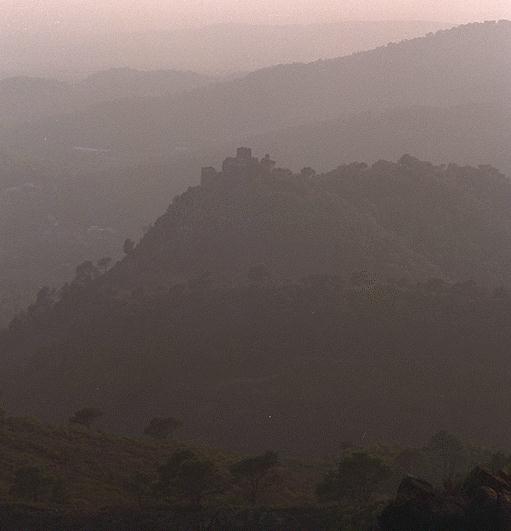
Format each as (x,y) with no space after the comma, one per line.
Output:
(465,65)
(24,98)
(212,49)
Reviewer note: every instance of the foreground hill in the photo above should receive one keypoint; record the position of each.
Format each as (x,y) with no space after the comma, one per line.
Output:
(68,477)
(88,479)
(208,317)
(464,65)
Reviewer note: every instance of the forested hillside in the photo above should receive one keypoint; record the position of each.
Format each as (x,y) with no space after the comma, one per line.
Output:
(104,173)
(407,219)
(310,334)
(292,310)
(56,213)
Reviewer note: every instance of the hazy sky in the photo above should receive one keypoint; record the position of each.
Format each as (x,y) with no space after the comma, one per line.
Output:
(102,15)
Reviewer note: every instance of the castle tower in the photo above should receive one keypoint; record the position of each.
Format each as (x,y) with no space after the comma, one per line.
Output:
(244,153)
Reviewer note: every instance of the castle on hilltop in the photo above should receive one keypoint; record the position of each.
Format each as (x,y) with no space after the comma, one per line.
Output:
(242,165)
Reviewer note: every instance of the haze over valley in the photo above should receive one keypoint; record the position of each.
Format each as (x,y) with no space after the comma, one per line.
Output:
(256,265)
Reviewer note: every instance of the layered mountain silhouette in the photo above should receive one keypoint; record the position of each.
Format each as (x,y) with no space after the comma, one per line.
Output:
(266,306)
(120,162)
(454,67)
(214,48)
(23,99)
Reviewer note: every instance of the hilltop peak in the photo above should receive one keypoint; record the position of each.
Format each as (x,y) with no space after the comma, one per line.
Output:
(252,212)
(242,165)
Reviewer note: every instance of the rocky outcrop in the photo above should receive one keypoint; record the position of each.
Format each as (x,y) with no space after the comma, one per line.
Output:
(482,503)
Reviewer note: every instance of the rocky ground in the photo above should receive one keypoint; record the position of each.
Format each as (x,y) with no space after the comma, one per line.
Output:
(481,503)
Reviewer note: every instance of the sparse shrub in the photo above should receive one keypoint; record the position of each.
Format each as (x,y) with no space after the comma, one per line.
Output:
(188,477)
(139,486)
(256,474)
(86,416)
(448,451)
(104,263)
(356,479)
(128,246)
(31,484)
(162,427)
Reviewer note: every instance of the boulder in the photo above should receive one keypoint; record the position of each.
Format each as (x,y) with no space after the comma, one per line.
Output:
(480,477)
(415,488)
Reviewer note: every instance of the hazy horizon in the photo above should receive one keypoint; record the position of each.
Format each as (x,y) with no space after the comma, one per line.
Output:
(90,16)
(312,331)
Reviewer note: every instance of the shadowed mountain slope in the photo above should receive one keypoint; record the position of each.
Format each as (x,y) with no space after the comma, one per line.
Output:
(394,219)
(208,313)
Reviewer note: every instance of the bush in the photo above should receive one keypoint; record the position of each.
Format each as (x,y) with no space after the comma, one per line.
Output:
(256,474)
(356,479)
(188,477)
(162,427)
(86,417)
(33,484)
